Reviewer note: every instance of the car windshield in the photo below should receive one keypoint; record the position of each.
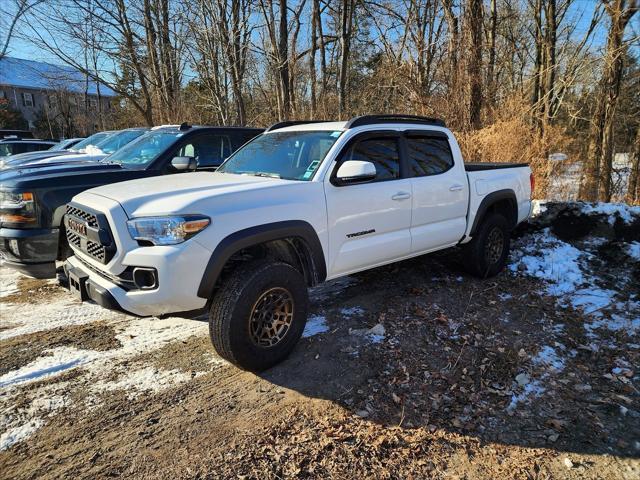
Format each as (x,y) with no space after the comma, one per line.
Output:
(59,146)
(144,150)
(92,140)
(118,140)
(287,155)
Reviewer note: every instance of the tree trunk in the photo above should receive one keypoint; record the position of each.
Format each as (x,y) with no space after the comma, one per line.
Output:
(474,65)
(491,80)
(346,25)
(596,183)
(283,67)
(633,191)
(315,12)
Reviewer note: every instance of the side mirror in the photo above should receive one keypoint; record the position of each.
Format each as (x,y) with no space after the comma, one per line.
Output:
(356,171)
(184,164)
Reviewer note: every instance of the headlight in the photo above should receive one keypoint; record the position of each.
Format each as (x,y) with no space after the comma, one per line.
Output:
(17,208)
(167,230)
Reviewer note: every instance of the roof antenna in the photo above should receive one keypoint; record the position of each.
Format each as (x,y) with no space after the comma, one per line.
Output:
(184,127)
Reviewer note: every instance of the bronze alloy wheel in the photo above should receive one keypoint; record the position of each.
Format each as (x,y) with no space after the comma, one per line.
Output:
(271,317)
(494,246)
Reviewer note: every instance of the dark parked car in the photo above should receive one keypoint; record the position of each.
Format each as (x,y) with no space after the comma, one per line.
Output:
(5,133)
(33,200)
(9,147)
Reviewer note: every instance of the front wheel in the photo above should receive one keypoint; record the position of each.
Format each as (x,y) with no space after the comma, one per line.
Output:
(258,314)
(487,253)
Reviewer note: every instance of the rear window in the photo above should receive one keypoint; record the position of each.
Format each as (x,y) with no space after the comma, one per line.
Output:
(429,156)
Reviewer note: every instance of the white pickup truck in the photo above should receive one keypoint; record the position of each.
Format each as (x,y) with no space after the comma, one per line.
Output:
(302,203)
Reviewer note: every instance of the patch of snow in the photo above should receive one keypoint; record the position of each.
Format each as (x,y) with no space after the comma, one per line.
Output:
(8,281)
(140,335)
(375,334)
(505,296)
(538,207)
(39,317)
(549,258)
(615,323)
(531,390)
(549,357)
(147,379)
(316,324)
(351,311)
(61,360)
(634,250)
(19,433)
(612,210)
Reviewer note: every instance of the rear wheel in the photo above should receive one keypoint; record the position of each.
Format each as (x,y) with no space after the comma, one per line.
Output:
(258,314)
(487,253)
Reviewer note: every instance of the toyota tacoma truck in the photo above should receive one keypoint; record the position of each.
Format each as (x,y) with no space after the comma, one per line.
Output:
(33,198)
(303,203)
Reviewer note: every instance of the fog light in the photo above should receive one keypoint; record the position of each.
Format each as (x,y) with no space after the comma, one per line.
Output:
(145,278)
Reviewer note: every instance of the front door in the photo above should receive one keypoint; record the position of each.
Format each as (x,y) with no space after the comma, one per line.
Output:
(369,223)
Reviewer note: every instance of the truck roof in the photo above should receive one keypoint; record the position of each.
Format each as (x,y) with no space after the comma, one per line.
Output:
(364,120)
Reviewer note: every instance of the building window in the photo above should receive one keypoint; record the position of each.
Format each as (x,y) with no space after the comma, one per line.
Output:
(3,94)
(27,99)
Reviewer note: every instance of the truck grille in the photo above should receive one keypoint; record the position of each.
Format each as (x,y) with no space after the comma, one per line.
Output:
(88,217)
(89,232)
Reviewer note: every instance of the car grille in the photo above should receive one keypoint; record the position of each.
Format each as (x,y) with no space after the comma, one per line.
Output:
(89,232)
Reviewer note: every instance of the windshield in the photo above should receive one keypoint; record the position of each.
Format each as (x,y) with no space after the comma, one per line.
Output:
(144,150)
(92,140)
(118,140)
(61,145)
(288,155)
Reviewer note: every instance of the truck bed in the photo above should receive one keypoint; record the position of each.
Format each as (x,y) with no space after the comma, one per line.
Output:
(479,166)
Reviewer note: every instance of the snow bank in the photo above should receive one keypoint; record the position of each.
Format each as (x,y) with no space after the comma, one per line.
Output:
(613,210)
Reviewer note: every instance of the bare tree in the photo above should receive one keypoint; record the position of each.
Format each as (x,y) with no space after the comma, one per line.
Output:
(596,184)
(13,11)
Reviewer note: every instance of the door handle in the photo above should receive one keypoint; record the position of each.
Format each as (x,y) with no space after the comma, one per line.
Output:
(401,196)
(455,188)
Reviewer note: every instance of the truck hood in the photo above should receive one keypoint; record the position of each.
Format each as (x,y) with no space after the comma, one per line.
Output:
(173,193)
(45,161)
(22,158)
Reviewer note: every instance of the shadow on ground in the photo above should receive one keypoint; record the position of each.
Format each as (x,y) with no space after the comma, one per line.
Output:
(495,359)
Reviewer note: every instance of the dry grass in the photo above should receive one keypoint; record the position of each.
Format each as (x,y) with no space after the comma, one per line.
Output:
(511,139)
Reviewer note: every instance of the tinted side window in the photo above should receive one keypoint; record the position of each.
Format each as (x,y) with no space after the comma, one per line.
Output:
(382,152)
(209,150)
(429,156)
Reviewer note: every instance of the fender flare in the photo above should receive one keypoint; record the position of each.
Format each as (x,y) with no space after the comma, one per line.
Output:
(491,199)
(260,234)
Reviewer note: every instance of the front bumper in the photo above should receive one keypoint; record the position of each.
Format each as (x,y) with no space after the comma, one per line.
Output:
(177,281)
(30,251)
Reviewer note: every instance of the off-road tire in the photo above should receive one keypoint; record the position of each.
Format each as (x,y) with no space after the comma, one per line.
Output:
(481,256)
(234,302)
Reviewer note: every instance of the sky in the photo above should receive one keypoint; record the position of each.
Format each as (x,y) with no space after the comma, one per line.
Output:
(580,13)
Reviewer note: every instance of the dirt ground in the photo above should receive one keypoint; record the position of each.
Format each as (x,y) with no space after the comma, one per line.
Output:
(414,370)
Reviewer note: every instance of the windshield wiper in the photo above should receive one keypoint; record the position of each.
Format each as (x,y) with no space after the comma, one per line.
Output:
(262,174)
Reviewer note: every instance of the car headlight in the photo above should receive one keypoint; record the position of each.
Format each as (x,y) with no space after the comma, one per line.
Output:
(167,230)
(17,208)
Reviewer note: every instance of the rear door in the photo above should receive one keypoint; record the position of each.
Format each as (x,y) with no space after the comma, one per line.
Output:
(440,191)
(369,223)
